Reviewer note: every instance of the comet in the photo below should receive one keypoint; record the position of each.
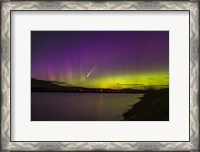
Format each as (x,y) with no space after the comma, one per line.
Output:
(91,71)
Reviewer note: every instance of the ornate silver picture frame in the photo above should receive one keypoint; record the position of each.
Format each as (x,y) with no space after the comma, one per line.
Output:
(9,7)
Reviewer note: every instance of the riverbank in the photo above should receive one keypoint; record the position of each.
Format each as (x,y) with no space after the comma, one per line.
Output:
(153,106)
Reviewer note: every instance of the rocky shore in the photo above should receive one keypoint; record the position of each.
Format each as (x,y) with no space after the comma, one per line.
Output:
(153,106)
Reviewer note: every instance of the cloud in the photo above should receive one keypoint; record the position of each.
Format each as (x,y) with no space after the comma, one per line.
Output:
(130,84)
(156,78)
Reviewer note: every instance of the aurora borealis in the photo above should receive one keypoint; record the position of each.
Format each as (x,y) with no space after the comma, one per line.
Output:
(101,59)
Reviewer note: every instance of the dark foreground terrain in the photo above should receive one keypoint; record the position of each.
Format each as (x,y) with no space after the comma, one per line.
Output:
(153,106)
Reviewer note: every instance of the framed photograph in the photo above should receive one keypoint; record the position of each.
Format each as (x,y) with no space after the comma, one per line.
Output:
(104,75)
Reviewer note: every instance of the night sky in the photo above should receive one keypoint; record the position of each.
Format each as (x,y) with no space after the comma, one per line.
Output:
(101,59)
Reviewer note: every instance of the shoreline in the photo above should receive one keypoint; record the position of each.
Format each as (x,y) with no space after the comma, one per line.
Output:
(153,106)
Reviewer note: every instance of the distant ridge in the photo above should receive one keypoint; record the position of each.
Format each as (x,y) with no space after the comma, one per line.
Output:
(51,86)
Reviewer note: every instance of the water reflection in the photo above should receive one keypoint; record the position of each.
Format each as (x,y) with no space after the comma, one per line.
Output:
(80,106)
